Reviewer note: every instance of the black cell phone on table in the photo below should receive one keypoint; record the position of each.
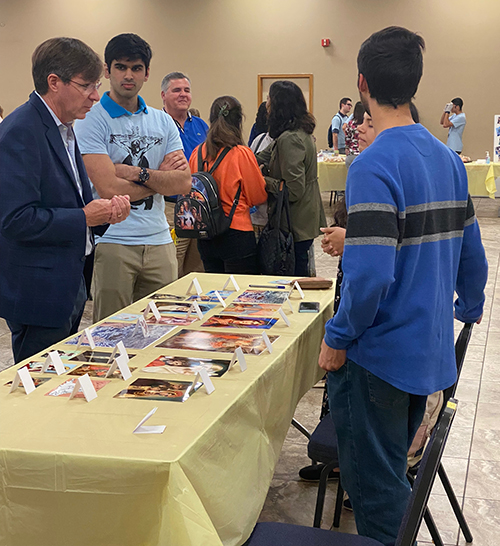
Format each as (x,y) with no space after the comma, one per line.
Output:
(309,307)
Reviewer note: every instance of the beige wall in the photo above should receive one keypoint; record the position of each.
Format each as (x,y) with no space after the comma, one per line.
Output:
(224,44)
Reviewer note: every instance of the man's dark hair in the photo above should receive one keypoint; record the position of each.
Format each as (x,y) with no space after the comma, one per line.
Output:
(458,102)
(288,109)
(226,118)
(414,113)
(165,83)
(343,101)
(66,58)
(391,61)
(127,46)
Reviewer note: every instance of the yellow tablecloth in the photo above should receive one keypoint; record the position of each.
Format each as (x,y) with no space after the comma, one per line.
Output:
(331,176)
(481,177)
(73,474)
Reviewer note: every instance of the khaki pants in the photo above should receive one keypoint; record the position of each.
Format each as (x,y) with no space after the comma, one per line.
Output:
(188,256)
(126,273)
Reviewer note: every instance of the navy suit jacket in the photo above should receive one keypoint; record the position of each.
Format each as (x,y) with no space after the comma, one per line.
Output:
(42,224)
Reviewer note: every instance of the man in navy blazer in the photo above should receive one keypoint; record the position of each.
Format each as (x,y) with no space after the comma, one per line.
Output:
(46,204)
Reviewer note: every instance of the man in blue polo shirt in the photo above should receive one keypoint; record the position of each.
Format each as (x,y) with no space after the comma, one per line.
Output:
(454,120)
(130,148)
(176,97)
(341,117)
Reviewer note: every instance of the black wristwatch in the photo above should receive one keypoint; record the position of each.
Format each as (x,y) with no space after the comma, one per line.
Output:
(143,177)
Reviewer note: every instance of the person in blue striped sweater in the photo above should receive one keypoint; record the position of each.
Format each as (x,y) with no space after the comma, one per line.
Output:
(412,240)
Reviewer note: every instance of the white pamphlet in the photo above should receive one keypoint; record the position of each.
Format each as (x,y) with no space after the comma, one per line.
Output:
(23,376)
(53,359)
(239,356)
(141,429)
(84,383)
(232,280)
(196,285)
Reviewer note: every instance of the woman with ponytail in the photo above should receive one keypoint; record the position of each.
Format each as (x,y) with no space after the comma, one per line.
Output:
(236,250)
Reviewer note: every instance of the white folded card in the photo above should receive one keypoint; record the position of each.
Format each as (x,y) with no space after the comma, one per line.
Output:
(296,285)
(283,316)
(195,307)
(220,298)
(267,341)
(119,348)
(203,377)
(196,285)
(142,326)
(233,281)
(238,356)
(53,359)
(141,429)
(289,303)
(151,307)
(23,376)
(120,362)
(87,333)
(84,384)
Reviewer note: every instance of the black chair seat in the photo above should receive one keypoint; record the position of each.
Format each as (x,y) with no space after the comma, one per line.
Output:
(322,446)
(284,534)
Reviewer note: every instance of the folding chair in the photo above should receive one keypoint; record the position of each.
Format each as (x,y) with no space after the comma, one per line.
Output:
(283,534)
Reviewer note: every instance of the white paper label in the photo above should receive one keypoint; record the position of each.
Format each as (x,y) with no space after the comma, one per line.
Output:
(232,280)
(238,356)
(289,304)
(120,362)
(207,381)
(151,307)
(284,317)
(196,285)
(53,359)
(84,384)
(297,286)
(141,429)
(267,341)
(197,309)
(220,298)
(23,376)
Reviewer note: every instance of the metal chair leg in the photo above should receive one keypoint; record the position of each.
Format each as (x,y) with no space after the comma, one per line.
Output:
(301,428)
(331,197)
(320,500)
(454,504)
(431,525)
(338,506)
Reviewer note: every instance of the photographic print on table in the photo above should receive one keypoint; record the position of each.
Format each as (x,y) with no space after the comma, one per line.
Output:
(36,367)
(159,389)
(36,380)
(63,354)
(230,321)
(97,370)
(181,308)
(66,388)
(192,340)
(171,321)
(108,334)
(171,297)
(262,296)
(250,309)
(211,297)
(97,357)
(187,366)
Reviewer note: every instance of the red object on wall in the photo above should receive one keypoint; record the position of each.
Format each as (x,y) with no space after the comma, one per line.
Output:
(325,42)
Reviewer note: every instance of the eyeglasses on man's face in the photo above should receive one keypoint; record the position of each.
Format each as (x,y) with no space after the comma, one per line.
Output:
(87,88)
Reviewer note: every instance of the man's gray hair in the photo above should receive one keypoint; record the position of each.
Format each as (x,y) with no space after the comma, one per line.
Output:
(172,76)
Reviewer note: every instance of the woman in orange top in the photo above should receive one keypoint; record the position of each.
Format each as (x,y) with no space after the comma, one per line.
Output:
(236,250)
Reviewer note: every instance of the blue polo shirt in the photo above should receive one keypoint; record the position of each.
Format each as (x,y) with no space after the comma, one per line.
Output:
(142,138)
(194,132)
(456,131)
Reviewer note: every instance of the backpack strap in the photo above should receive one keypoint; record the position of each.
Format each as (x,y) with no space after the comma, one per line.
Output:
(222,155)
(235,204)
(201,161)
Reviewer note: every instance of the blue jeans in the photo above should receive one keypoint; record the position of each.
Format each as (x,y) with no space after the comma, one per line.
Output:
(375,424)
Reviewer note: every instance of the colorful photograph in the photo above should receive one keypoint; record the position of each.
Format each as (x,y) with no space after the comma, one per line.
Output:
(171,297)
(181,308)
(36,367)
(96,370)
(187,366)
(98,357)
(36,380)
(62,354)
(262,296)
(230,321)
(108,334)
(159,389)
(211,297)
(173,321)
(67,387)
(251,309)
(219,342)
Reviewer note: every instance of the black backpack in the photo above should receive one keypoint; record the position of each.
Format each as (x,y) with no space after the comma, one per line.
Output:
(199,213)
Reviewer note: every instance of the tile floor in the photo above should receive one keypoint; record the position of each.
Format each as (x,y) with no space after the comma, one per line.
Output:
(472,456)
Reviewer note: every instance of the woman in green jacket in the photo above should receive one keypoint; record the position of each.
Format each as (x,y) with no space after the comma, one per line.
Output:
(292,158)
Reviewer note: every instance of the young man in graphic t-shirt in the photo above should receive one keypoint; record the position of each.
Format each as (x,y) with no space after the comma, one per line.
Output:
(412,241)
(454,120)
(130,148)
